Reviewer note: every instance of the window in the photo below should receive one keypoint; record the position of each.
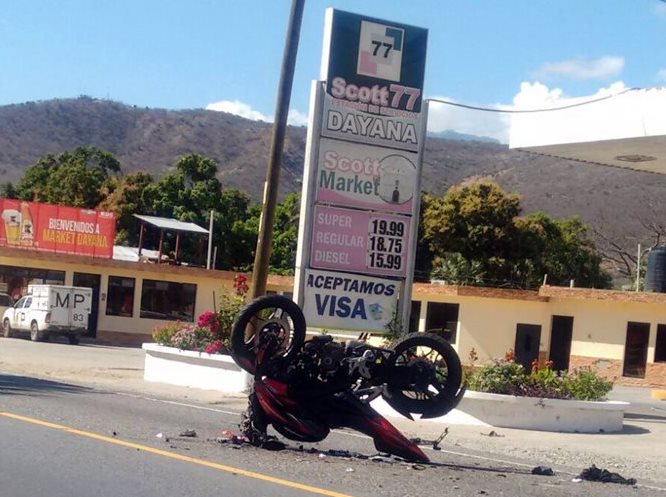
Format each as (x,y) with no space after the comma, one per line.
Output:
(15,280)
(442,319)
(168,300)
(120,297)
(660,346)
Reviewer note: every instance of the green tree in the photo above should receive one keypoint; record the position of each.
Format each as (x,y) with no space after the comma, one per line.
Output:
(285,234)
(124,197)
(75,178)
(8,190)
(478,237)
(237,237)
(476,220)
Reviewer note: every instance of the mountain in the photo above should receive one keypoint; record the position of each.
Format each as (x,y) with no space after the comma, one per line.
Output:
(616,202)
(450,134)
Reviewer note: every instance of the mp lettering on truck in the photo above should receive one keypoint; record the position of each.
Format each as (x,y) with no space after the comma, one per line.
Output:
(63,300)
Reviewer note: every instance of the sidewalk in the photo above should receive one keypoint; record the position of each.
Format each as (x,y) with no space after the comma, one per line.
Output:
(637,451)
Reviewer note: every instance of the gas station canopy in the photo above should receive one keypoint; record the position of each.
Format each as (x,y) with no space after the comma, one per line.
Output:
(626,130)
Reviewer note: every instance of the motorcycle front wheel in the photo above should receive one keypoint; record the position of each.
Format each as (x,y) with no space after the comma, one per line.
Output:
(274,322)
(425,376)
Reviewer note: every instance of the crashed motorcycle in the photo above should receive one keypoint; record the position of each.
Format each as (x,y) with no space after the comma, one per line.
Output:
(304,388)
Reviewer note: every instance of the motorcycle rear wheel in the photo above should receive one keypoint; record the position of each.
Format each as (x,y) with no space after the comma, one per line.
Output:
(434,365)
(270,314)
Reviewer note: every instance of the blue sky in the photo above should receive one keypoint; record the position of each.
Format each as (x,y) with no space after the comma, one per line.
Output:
(226,54)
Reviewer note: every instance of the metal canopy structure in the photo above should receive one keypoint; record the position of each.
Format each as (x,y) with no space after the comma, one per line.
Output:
(627,130)
(167,224)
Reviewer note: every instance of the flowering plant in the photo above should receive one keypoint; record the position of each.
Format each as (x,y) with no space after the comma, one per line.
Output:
(505,376)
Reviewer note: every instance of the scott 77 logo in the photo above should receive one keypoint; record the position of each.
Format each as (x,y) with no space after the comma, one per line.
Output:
(380,51)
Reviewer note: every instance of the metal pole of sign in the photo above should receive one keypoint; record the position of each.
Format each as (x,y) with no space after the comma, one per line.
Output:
(265,238)
(210,238)
(308,190)
(406,294)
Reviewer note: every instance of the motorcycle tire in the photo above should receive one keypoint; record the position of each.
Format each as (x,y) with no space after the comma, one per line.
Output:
(444,382)
(267,313)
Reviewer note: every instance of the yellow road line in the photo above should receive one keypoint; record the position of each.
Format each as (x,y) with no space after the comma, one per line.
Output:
(180,457)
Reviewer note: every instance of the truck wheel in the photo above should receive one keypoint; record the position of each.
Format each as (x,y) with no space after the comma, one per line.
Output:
(6,329)
(35,334)
(73,339)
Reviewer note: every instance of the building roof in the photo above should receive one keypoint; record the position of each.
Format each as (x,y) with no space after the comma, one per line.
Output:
(121,253)
(625,130)
(165,223)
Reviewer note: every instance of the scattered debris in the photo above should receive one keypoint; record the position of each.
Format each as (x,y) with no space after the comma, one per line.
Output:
(273,444)
(188,433)
(322,455)
(115,434)
(595,474)
(492,433)
(162,435)
(435,444)
(543,471)
(349,470)
(231,438)
(380,459)
(418,467)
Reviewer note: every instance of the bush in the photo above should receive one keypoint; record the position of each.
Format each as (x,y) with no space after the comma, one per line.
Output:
(192,338)
(163,334)
(507,377)
(584,384)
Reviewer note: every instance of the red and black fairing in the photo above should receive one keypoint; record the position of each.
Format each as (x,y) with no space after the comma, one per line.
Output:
(309,417)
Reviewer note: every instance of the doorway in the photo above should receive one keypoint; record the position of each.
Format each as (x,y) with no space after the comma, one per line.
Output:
(561,329)
(90,281)
(635,349)
(526,348)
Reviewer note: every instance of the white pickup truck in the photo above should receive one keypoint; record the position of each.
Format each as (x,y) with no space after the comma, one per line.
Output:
(50,309)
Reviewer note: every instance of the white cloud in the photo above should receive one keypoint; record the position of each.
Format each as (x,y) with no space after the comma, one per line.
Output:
(594,115)
(443,117)
(532,95)
(538,96)
(237,108)
(582,69)
(661,75)
(295,118)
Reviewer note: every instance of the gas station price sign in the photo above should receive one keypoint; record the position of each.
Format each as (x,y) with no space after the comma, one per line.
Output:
(366,242)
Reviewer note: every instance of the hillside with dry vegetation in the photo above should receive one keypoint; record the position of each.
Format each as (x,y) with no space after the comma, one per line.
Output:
(622,206)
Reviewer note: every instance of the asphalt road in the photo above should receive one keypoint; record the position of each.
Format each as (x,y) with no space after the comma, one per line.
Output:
(98,437)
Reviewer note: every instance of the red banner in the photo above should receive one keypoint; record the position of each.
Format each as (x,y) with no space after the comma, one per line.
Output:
(57,228)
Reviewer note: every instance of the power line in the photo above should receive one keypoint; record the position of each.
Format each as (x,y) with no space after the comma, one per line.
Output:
(526,111)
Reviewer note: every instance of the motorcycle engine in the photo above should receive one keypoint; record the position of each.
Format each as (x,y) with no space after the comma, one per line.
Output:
(325,354)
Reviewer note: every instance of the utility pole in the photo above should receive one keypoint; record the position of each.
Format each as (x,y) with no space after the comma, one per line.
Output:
(265,238)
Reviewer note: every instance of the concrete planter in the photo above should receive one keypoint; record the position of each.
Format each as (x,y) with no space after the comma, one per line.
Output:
(193,369)
(529,413)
